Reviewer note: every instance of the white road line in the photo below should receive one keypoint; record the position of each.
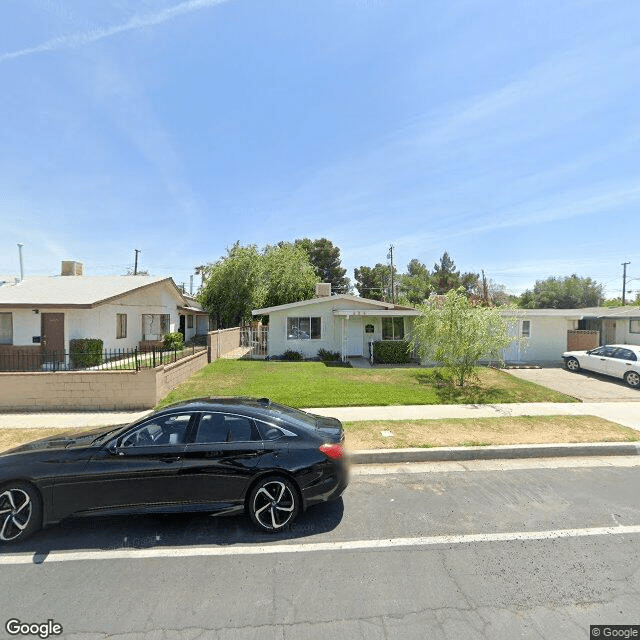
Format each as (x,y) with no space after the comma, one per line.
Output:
(349,545)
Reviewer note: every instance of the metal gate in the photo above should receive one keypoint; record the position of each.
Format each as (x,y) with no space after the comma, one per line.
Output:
(254,341)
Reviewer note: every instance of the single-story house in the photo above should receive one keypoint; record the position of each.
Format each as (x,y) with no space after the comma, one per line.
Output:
(349,324)
(43,313)
(342,323)
(547,333)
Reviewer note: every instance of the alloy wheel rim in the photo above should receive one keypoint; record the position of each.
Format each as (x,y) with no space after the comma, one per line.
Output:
(633,379)
(273,505)
(15,513)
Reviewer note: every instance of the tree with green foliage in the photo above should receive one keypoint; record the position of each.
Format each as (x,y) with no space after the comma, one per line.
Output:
(570,292)
(456,334)
(247,278)
(445,277)
(325,258)
(415,285)
(286,276)
(374,282)
(230,286)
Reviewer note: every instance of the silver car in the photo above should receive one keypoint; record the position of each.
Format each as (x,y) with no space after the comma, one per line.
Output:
(616,360)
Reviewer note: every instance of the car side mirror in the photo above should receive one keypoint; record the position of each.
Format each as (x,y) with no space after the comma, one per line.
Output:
(113,449)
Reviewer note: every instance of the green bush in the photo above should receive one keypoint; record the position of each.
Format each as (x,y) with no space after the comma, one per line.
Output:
(391,352)
(173,341)
(292,356)
(328,356)
(85,352)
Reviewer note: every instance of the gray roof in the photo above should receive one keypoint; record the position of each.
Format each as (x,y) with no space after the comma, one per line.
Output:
(588,312)
(75,291)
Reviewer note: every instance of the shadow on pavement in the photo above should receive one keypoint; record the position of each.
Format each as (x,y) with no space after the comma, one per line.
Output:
(175,530)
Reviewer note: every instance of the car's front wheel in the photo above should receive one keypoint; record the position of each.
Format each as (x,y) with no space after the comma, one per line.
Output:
(572,364)
(273,504)
(20,511)
(632,378)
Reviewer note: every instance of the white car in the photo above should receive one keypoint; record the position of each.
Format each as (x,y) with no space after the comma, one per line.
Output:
(616,360)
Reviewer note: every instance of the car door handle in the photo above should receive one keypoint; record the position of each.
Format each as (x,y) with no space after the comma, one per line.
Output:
(170,459)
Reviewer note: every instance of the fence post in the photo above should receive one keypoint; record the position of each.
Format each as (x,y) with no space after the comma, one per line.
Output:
(135,355)
(153,357)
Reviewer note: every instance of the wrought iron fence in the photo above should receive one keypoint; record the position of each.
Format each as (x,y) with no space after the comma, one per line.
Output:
(108,360)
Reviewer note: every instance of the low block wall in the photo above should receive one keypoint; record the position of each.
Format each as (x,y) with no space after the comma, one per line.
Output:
(94,390)
(222,342)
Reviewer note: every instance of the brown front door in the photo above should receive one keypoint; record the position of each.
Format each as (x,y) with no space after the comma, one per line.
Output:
(52,341)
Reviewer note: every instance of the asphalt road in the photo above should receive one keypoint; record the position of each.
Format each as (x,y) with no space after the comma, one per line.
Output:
(531,549)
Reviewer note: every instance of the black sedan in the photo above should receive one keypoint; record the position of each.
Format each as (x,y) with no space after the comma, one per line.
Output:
(220,455)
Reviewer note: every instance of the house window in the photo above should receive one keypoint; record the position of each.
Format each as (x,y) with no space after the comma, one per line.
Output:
(634,325)
(189,322)
(392,328)
(121,325)
(6,328)
(155,325)
(303,328)
(525,331)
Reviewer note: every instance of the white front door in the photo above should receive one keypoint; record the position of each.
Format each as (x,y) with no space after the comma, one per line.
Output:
(355,328)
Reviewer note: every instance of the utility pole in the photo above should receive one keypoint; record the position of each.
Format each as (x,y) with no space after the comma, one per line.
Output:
(135,268)
(393,290)
(624,281)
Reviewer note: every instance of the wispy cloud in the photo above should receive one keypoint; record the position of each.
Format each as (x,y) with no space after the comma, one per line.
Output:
(84,38)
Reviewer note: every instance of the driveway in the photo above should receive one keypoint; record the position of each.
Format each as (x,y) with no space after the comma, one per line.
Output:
(586,386)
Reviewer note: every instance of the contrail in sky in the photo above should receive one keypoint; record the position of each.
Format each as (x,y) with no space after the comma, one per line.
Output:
(137,22)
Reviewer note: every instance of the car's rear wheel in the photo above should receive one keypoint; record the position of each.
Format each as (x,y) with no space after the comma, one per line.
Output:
(572,364)
(273,503)
(20,511)
(632,378)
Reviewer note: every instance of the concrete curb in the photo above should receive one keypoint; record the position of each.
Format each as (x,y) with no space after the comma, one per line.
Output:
(501,452)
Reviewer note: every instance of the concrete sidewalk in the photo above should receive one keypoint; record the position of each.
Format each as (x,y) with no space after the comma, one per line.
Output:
(625,413)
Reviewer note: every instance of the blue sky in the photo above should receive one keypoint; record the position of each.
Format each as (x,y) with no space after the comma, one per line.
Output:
(504,132)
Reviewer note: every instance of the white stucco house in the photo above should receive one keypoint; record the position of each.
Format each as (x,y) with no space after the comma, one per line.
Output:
(42,313)
(342,323)
(547,333)
(348,324)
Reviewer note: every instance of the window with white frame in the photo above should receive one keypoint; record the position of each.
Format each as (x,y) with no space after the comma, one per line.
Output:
(525,330)
(303,328)
(393,328)
(189,322)
(121,325)
(634,325)
(6,328)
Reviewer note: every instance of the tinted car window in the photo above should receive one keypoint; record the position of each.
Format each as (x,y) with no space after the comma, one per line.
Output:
(164,430)
(293,414)
(223,427)
(625,354)
(272,432)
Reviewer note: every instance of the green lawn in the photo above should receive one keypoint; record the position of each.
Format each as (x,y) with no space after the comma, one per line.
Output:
(312,384)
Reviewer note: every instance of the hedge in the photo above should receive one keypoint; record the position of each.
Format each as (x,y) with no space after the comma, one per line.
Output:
(85,352)
(391,352)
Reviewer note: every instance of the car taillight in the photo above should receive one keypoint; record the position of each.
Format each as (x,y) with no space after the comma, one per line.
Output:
(333,451)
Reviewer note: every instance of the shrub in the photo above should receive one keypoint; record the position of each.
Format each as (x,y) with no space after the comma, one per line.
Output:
(292,356)
(85,352)
(391,352)
(328,356)
(173,341)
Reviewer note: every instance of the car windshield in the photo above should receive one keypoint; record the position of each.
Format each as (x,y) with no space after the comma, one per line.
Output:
(295,414)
